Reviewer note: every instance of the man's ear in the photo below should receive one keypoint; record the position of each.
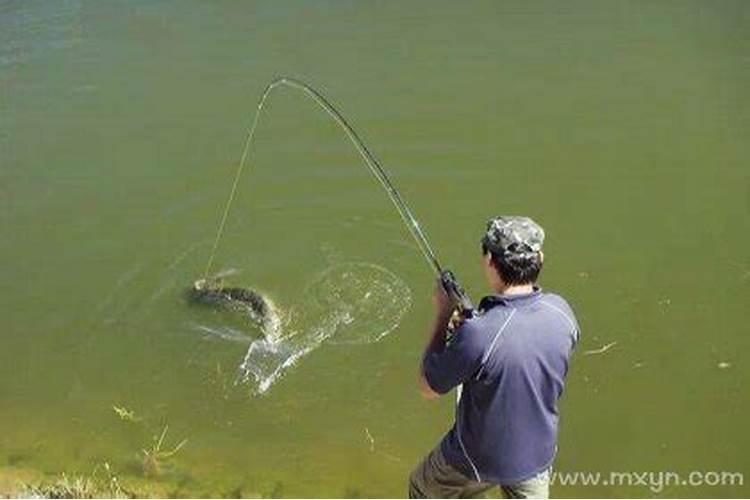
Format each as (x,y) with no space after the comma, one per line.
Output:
(541,256)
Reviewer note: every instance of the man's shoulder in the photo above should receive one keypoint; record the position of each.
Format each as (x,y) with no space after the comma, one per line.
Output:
(475,333)
(472,329)
(557,306)
(486,320)
(555,299)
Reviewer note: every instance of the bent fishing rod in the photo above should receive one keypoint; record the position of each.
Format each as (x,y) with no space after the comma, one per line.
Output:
(447,278)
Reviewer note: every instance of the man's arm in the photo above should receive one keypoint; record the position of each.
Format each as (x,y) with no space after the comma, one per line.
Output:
(444,307)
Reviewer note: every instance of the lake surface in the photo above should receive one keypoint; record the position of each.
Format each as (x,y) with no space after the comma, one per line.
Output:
(621,127)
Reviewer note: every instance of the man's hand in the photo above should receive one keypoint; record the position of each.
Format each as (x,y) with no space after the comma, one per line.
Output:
(444,304)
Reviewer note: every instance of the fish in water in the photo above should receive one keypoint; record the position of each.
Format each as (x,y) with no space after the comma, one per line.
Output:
(257,307)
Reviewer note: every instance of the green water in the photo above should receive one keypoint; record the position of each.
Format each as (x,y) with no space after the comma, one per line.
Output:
(622,127)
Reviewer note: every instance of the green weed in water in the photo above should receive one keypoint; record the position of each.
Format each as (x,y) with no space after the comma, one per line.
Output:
(154,458)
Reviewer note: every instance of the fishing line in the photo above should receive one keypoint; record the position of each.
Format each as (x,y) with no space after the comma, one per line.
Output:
(375,168)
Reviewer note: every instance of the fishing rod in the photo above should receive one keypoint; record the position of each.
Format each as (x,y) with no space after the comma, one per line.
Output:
(447,278)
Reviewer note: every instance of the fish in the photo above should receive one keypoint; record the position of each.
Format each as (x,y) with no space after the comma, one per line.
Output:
(254,305)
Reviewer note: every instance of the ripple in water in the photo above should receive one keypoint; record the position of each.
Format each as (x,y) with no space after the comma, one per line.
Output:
(352,303)
(368,299)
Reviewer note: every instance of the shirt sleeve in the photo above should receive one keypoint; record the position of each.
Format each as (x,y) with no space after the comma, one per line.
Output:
(576,326)
(458,360)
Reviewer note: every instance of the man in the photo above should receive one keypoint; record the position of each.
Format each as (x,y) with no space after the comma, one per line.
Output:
(509,361)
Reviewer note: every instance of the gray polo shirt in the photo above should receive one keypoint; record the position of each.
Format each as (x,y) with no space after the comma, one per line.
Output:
(511,358)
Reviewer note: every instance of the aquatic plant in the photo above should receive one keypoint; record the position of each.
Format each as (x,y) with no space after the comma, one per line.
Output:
(154,458)
(125,414)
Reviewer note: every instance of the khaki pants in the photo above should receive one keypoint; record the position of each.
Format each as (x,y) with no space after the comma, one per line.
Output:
(436,478)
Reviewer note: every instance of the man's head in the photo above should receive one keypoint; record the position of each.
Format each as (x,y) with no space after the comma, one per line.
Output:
(512,247)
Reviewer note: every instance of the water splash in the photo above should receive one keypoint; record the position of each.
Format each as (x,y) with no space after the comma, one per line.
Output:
(353,303)
(346,303)
(367,299)
(223,333)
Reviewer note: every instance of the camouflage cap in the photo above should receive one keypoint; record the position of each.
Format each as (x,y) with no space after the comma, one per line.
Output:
(513,236)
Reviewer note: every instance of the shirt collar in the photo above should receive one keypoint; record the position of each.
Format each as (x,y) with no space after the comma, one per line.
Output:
(497,299)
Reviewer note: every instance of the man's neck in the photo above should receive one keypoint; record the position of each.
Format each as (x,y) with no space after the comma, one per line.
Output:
(515,289)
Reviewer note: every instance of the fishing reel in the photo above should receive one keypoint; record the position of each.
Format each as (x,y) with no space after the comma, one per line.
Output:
(464,307)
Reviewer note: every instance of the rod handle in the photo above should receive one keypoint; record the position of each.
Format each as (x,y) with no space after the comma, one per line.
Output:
(457,293)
